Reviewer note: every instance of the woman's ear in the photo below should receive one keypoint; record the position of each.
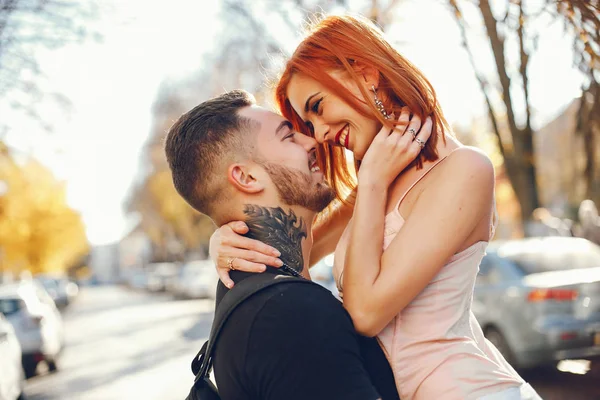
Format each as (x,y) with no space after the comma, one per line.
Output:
(370,75)
(243,179)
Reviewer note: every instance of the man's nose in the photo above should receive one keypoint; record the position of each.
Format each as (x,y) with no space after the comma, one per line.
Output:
(307,142)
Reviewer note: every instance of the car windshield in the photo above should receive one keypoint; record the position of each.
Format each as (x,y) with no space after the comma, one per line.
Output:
(553,255)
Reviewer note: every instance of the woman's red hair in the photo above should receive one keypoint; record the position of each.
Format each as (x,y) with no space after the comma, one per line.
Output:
(336,43)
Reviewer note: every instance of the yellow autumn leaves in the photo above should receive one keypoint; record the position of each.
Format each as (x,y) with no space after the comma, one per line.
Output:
(38,230)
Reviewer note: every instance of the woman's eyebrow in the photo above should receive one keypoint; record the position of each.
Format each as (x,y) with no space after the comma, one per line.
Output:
(308,101)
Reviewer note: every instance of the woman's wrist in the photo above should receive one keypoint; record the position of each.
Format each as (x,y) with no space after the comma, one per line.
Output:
(372,184)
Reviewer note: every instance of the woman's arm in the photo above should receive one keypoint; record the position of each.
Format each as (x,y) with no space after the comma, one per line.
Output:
(250,255)
(377,284)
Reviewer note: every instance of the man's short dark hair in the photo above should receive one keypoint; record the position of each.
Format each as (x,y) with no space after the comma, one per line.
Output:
(202,142)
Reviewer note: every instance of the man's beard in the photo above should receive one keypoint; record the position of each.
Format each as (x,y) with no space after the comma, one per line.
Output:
(297,189)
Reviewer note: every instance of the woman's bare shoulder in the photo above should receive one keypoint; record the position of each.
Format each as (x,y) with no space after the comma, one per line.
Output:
(468,168)
(470,159)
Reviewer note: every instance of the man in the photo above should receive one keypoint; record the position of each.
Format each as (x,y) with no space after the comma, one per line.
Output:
(233,160)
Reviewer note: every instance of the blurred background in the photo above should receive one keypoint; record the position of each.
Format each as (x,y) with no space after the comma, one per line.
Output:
(105,287)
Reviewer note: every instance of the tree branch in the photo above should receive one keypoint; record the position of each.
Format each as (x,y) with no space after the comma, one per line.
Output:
(498,50)
(524,61)
(480,77)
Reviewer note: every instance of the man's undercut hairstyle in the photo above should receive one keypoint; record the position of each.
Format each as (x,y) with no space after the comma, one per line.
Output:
(203,142)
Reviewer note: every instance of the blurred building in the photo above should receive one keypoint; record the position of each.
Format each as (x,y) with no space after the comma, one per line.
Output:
(104,263)
(560,161)
(135,249)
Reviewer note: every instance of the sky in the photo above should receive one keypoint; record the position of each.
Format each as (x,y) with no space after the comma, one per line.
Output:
(112,84)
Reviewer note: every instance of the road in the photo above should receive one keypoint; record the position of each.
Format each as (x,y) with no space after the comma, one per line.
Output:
(122,344)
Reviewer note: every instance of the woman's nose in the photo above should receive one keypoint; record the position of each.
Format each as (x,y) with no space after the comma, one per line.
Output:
(321,131)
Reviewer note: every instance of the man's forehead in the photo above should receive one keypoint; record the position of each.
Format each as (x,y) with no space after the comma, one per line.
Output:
(268,120)
(260,114)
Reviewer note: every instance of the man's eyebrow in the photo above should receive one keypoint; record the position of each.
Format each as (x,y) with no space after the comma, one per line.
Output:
(284,124)
(308,101)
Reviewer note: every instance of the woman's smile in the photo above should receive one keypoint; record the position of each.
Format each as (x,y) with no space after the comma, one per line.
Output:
(342,138)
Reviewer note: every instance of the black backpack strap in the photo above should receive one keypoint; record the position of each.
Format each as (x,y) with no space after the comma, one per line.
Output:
(241,291)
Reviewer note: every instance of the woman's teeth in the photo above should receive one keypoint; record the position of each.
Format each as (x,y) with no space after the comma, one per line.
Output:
(344,136)
(315,169)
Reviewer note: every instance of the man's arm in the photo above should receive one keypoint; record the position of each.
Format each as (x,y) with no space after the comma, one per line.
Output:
(303,346)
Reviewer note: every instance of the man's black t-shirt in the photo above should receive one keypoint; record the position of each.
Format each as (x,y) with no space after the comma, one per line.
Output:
(294,341)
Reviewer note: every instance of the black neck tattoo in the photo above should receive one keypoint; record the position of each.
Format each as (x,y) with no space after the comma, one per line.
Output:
(283,231)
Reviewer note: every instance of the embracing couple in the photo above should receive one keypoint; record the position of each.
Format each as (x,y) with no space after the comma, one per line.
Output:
(408,233)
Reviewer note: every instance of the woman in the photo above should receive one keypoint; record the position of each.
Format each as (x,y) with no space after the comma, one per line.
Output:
(407,260)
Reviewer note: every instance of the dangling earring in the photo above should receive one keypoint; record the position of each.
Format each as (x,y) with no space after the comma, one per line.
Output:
(379,104)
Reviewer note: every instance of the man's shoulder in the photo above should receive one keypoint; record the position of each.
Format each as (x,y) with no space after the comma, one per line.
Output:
(292,295)
(279,307)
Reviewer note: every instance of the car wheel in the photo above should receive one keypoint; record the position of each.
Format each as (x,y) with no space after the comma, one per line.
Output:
(498,340)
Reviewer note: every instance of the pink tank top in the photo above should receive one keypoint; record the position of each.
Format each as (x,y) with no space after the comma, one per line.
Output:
(435,346)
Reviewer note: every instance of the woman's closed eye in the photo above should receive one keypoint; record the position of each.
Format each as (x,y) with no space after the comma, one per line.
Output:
(316,105)
(289,136)
(310,127)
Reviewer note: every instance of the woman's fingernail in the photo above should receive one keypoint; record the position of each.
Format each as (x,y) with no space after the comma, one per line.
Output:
(279,262)
(229,285)
(276,253)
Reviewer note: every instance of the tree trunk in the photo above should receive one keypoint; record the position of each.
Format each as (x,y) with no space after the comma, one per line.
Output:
(519,161)
(521,174)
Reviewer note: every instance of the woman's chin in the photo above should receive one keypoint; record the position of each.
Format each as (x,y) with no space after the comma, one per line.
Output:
(358,155)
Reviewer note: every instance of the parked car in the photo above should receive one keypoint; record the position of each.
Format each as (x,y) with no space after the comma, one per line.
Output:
(538,300)
(37,323)
(137,279)
(61,289)
(160,276)
(196,279)
(12,378)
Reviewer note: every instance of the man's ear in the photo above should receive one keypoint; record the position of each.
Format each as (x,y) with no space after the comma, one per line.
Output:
(242,178)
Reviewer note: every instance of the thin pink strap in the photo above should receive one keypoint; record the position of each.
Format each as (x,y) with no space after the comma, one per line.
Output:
(419,180)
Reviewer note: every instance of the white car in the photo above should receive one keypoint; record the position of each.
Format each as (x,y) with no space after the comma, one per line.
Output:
(196,280)
(61,289)
(12,379)
(37,323)
(160,276)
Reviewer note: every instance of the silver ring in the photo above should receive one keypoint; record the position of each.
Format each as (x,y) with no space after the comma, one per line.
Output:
(230,263)
(421,143)
(414,133)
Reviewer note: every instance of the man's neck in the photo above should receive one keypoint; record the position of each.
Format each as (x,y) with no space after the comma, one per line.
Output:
(285,229)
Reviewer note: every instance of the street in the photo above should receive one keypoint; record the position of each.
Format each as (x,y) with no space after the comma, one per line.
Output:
(122,344)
